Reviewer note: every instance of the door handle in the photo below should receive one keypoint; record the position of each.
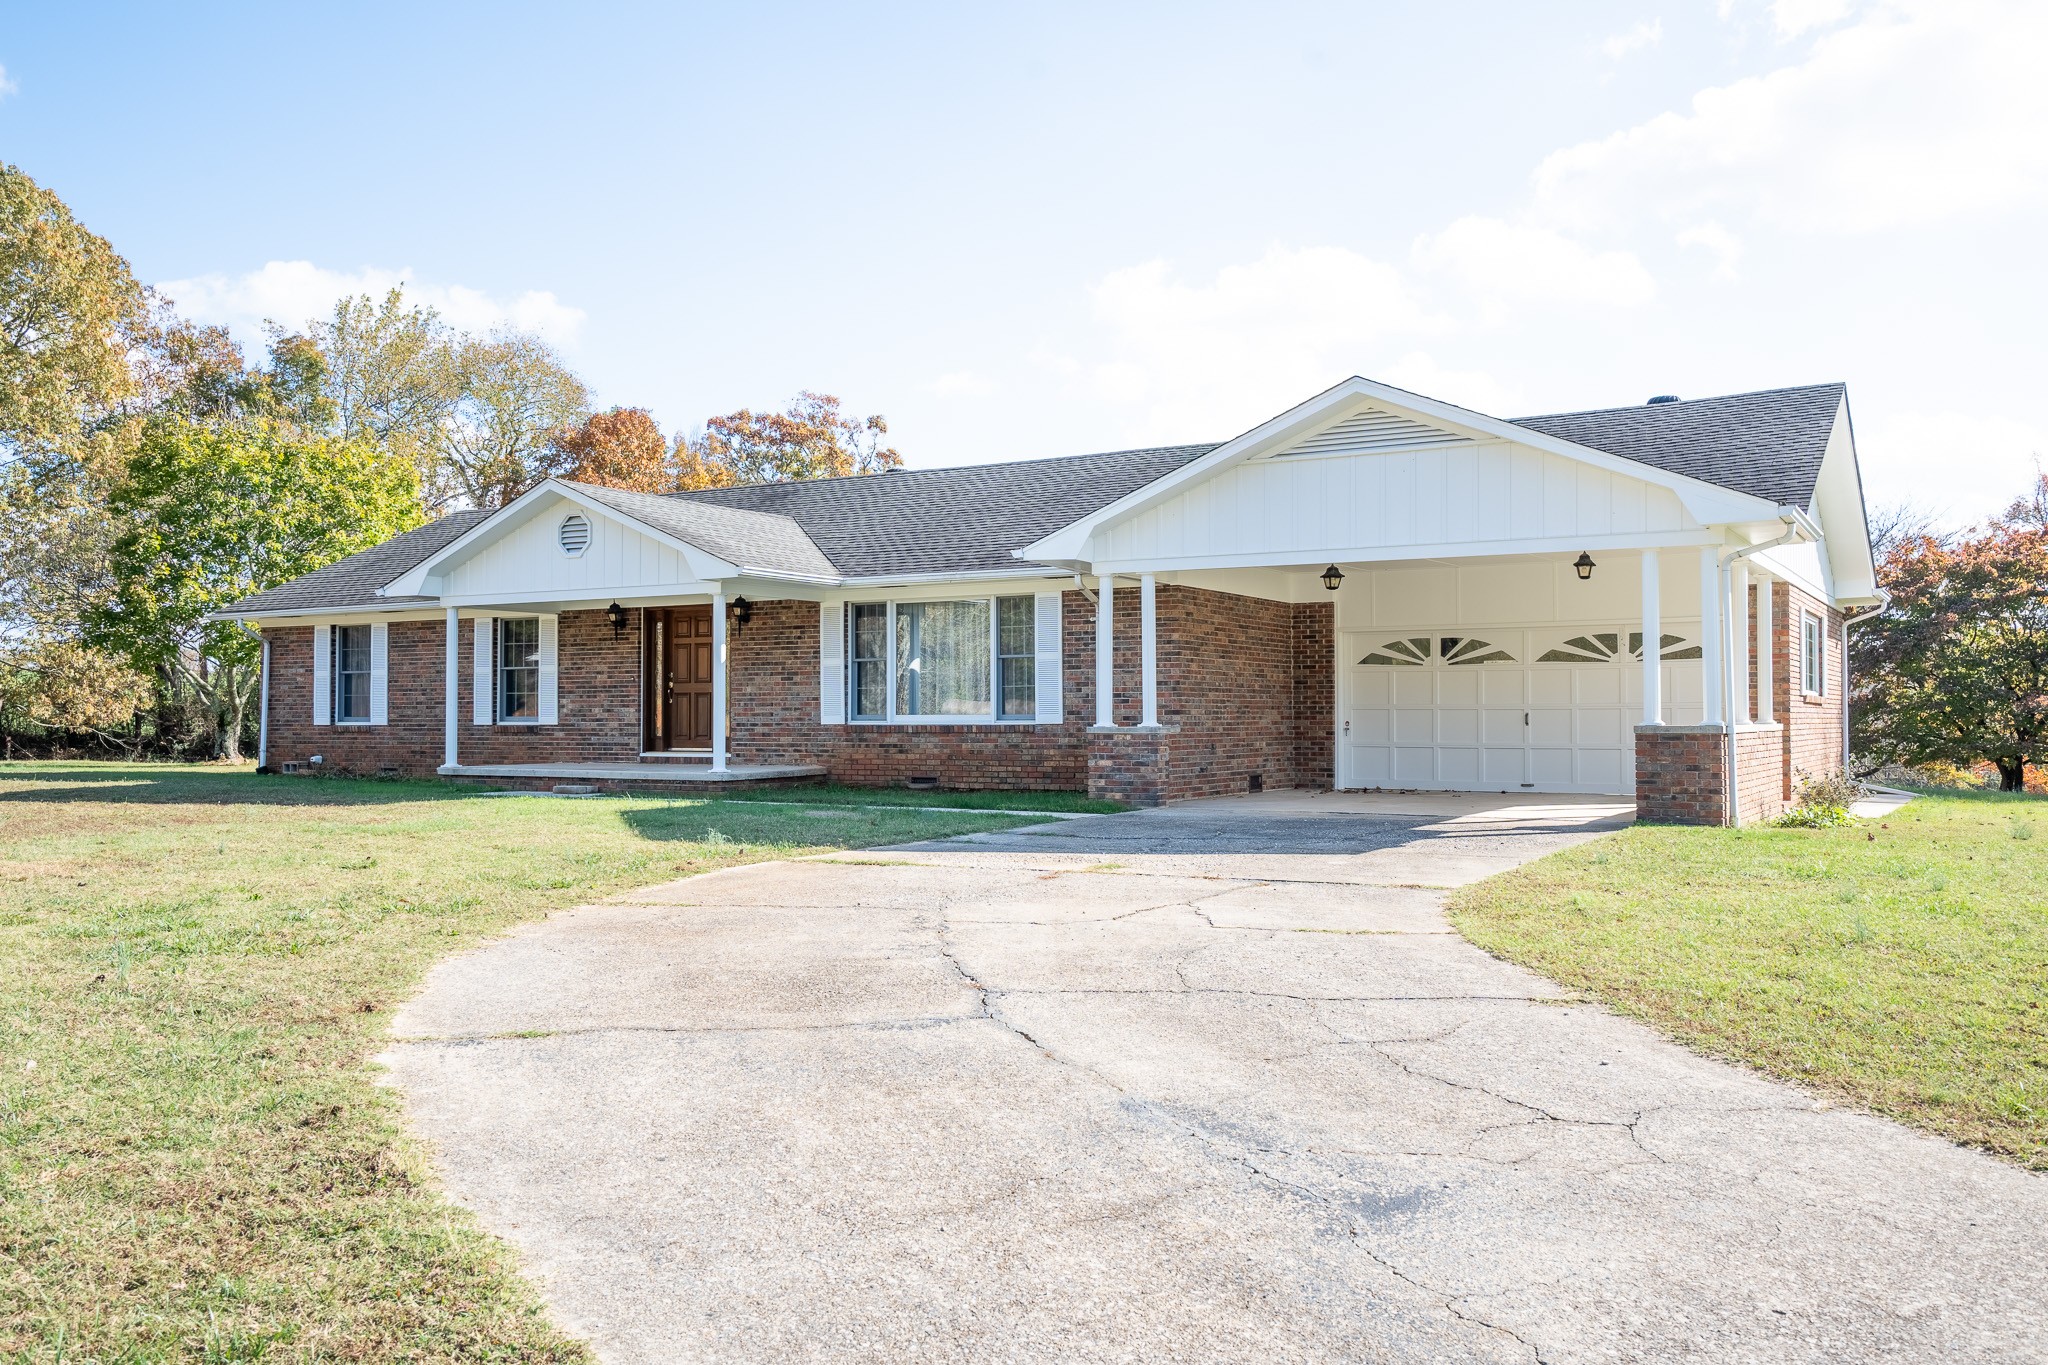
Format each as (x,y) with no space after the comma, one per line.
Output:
(1347,727)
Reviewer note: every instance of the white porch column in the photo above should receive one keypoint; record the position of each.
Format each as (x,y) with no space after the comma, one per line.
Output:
(1766,673)
(718,681)
(1738,640)
(1105,650)
(452,691)
(1653,642)
(1148,641)
(1713,636)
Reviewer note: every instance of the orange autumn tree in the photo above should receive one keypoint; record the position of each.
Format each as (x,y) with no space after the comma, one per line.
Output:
(811,439)
(622,448)
(1956,671)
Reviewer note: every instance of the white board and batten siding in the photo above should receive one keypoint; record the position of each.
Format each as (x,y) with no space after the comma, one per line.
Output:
(1505,677)
(1357,497)
(531,560)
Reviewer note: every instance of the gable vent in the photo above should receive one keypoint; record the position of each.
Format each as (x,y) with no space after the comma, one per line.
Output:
(575,534)
(1371,430)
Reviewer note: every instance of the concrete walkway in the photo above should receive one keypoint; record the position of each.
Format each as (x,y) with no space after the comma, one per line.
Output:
(1215,1083)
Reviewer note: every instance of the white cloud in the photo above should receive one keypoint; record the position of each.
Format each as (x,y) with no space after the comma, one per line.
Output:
(1921,111)
(1504,264)
(1794,17)
(8,85)
(1724,245)
(293,293)
(1196,359)
(962,384)
(1646,34)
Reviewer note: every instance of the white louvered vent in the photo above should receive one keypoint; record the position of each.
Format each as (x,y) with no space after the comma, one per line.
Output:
(575,534)
(1370,430)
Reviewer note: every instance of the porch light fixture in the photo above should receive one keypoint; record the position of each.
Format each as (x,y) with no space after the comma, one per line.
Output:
(616,614)
(1333,578)
(742,612)
(1583,565)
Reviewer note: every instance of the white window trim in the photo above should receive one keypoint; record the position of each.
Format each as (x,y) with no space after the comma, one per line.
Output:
(334,672)
(1811,625)
(994,717)
(498,716)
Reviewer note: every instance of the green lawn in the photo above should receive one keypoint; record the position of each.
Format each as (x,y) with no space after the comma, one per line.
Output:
(1900,966)
(196,964)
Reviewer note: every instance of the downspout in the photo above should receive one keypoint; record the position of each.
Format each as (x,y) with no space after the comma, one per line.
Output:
(1796,528)
(263,710)
(1884,605)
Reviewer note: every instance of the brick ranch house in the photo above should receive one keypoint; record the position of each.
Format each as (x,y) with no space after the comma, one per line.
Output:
(1372,590)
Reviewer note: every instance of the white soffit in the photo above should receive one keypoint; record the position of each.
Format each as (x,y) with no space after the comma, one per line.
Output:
(1370,431)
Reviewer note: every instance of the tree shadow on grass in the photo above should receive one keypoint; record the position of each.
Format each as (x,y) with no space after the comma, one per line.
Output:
(176,784)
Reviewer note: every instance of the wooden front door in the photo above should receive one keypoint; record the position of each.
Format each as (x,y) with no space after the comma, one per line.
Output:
(680,674)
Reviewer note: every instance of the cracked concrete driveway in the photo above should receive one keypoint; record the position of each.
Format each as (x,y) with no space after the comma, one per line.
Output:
(1210,1083)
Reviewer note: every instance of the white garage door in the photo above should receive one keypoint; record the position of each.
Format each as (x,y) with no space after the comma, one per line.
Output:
(1502,709)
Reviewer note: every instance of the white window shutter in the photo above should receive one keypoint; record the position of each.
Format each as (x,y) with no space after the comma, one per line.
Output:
(1047,681)
(832,662)
(323,674)
(380,674)
(549,671)
(483,692)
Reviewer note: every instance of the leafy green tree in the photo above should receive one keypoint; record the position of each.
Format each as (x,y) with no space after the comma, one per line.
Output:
(514,399)
(1956,671)
(812,439)
(208,514)
(67,306)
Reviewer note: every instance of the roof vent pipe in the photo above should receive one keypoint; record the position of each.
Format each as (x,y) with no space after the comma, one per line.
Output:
(1662,398)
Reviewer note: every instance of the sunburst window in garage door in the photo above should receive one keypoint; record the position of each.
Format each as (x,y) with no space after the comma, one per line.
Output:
(1409,652)
(1605,647)
(1468,649)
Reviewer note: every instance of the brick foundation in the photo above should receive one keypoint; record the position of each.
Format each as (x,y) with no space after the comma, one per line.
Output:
(1682,774)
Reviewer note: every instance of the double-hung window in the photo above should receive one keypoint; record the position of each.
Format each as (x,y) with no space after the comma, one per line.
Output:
(1812,658)
(352,675)
(518,668)
(972,659)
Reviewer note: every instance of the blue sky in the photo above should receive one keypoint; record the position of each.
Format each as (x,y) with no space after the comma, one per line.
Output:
(1041,230)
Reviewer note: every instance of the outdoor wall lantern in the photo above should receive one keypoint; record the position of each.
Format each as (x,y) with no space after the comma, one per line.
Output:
(1333,578)
(616,614)
(1584,565)
(742,612)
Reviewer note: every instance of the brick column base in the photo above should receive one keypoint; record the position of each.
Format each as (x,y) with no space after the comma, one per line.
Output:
(1682,773)
(1130,765)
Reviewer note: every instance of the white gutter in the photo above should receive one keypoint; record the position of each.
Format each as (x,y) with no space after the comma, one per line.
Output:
(1798,526)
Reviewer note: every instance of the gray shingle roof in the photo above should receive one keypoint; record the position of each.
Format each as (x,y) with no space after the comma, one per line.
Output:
(354,581)
(1766,444)
(760,542)
(964,520)
(968,519)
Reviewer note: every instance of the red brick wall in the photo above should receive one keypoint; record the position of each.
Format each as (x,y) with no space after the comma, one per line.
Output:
(1246,683)
(1813,725)
(1681,774)
(598,702)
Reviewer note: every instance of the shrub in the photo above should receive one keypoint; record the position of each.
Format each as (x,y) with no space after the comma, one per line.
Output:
(1824,800)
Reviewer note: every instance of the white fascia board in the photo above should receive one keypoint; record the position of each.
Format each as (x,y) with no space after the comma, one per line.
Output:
(360,613)
(1429,550)
(1839,505)
(416,581)
(540,599)
(1707,503)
